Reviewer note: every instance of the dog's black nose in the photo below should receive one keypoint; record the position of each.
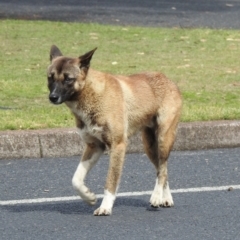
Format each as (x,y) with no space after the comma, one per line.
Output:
(53,98)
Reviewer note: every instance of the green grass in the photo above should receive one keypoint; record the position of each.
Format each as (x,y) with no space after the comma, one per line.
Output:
(204,63)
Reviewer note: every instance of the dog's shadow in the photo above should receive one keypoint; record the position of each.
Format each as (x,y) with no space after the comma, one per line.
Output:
(75,207)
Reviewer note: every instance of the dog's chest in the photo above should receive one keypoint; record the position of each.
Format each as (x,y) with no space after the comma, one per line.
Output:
(89,131)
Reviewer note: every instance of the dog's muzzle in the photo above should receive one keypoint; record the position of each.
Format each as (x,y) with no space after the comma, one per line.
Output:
(54,98)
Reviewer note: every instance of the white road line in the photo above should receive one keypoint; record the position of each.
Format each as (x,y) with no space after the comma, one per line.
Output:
(124,194)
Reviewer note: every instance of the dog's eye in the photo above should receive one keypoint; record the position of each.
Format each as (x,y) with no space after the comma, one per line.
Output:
(68,80)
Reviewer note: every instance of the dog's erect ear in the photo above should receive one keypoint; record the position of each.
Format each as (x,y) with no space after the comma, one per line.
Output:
(86,58)
(54,52)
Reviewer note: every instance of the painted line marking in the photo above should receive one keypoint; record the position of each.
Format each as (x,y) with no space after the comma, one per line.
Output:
(124,194)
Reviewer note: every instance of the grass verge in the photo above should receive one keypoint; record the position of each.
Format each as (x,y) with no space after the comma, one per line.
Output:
(204,63)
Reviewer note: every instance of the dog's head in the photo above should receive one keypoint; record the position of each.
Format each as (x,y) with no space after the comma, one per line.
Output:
(66,76)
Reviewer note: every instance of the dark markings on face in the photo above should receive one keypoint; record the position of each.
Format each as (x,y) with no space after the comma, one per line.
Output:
(61,79)
(51,81)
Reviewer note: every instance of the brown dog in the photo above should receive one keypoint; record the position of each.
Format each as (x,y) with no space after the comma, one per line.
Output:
(109,109)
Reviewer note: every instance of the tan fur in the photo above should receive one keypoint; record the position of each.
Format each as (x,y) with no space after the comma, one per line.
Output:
(111,108)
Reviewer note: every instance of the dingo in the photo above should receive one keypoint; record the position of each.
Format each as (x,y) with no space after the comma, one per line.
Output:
(109,109)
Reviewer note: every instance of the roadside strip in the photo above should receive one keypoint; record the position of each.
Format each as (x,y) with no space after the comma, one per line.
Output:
(66,142)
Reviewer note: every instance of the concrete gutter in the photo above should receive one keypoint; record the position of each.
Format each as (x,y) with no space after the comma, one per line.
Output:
(66,142)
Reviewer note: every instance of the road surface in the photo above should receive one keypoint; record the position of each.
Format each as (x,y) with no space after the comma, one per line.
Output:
(38,202)
(161,13)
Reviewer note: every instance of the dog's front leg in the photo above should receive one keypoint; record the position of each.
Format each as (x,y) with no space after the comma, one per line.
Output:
(117,155)
(90,157)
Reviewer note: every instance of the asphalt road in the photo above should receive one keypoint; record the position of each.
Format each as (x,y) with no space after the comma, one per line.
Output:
(163,13)
(197,214)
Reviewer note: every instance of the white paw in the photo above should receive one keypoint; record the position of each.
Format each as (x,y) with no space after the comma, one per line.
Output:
(107,204)
(89,198)
(102,212)
(167,202)
(161,200)
(85,194)
(156,200)
(167,199)
(161,196)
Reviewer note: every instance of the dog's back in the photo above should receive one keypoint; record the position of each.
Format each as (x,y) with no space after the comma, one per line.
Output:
(137,97)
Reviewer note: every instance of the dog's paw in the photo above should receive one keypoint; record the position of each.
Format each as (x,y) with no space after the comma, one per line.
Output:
(167,200)
(161,197)
(155,200)
(102,212)
(107,204)
(89,198)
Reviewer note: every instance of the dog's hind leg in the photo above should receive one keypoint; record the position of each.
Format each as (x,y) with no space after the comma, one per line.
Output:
(90,156)
(158,143)
(117,155)
(150,144)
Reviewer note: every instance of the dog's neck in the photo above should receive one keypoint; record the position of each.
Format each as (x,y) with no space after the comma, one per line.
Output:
(95,80)
(94,86)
